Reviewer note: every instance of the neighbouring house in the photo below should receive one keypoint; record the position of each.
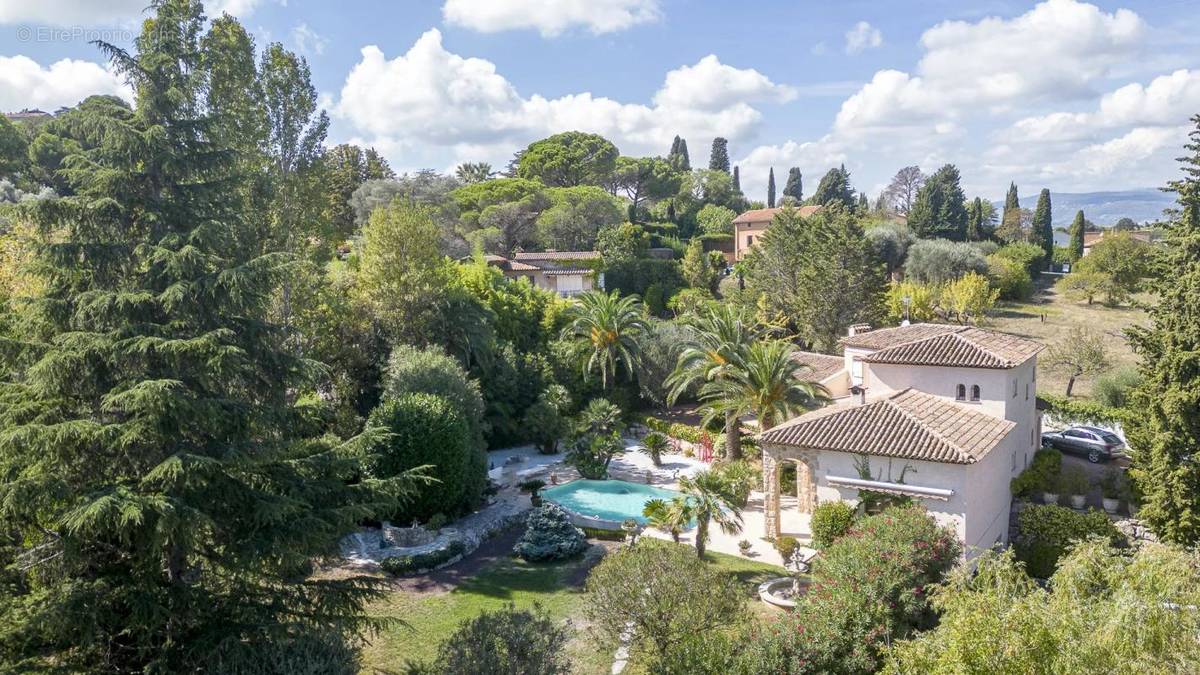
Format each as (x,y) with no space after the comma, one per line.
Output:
(1090,239)
(748,228)
(567,273)
(943,415)
(27,114)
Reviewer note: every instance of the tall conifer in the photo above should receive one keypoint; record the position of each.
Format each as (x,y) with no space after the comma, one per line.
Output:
(771,188)
(163,498)
(718,160)
(1043,229)
(795,185)
(1077,227)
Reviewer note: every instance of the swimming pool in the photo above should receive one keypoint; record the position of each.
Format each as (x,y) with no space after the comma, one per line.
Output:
(606,500)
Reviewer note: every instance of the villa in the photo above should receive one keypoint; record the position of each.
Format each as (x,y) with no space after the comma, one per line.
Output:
(567,273)
(944,415)
(748,227)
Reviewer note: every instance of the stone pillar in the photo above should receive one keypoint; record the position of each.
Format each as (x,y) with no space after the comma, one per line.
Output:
(806,498)
(770,493)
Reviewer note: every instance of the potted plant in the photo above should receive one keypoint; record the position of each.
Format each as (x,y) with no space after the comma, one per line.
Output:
(744,546)
(1074,483)
(1111,488)
(1050,488)
(532,486)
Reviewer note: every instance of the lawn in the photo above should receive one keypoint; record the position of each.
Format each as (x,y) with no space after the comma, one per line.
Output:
(429,618)
(1049,316)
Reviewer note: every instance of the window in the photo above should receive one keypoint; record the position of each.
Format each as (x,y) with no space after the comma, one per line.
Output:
(856,370)
(1026,391)
(975,392)
(749,240)
(1014,388)
(960,392)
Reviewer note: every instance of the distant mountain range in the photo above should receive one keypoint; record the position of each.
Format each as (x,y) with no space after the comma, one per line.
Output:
(1103,208)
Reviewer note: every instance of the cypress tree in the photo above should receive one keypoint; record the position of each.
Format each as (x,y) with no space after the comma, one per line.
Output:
(718,160)
(1077,227)
(864,204)
(939,210)
(1167,402)
(162,487)
(737,181)
(795,185)
(685,162)
(1043,231)
(771,188)
(678,156)
(1012,203)
(835,187)
(975,220)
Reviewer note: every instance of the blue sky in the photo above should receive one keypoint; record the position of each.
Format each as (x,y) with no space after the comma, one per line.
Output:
(1063,94)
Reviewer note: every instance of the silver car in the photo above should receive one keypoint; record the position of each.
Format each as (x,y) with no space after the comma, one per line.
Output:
(1092,442)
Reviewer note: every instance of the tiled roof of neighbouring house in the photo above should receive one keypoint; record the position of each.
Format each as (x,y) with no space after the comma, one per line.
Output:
(927,344)
(533,256)
(767,215)
(905,425)
(511,265)
(823,366)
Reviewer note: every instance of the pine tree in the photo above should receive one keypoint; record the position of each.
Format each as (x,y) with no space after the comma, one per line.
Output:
(795,185)
(1076,232)
(162,488)
(1043,230)
(864,204)
(678,156)
(718,160)
(835,187)
(737,181)
(771,188)
(1167,402)
(939,209)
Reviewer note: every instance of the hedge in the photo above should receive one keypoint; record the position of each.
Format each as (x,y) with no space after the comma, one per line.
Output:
(1044,532)
(408,564)
(830,521)
(1039,475)
(1083,412)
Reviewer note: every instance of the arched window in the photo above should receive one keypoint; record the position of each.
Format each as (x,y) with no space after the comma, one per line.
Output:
(960,392)
(974,392)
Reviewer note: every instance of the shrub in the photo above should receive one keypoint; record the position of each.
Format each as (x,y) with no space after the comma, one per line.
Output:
(1029,256)
(937,261)
(545,421)
(830,521)
(787,547)
(656,298)
(740,477)
(1112,389)
(409,564)
(1112,484)
(634,276)
(436,522)
(1009,277)
(684,432)
(1039,475)
(661,592)
(429,430)
(507,641)
(1073,481)
(867,589)
(549,535)
(430,371)
(1045,532)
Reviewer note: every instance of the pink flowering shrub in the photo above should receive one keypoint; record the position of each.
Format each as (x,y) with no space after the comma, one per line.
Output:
(868,587)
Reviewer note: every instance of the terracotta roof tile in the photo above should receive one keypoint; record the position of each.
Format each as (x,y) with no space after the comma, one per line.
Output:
(927,344)
(906,425)
(767,215)
(533,256)
(823,366)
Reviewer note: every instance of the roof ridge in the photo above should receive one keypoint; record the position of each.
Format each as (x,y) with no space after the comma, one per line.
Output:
(964,456)
(962,336)
(953,330)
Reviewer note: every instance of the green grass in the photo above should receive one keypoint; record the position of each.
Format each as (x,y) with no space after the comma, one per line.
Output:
(430,618)
(1061,314)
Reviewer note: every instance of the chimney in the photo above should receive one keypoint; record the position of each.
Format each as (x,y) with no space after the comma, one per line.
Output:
(858,328)
(861,392)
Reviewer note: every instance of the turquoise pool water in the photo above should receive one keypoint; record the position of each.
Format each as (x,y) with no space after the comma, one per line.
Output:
(606,499)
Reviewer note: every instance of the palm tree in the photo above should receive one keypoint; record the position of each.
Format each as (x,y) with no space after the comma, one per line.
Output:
(710,499)
(474,172)
(611,326)
(720,338)
(767,382)
(670,517)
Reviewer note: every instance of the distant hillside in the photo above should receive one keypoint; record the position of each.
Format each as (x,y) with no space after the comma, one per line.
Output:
(1103,208)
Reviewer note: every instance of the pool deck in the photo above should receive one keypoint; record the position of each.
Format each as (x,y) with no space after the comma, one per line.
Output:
(514,465)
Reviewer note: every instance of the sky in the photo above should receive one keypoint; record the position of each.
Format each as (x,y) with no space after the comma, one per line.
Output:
(1064,94)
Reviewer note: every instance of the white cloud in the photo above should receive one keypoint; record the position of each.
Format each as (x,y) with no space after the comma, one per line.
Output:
(308,41)
(92,13)
(862,37)
(978,76)
(24,83)
(550,17)
(431,104)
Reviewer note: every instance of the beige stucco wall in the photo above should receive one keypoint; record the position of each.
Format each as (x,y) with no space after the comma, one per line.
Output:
(743,230)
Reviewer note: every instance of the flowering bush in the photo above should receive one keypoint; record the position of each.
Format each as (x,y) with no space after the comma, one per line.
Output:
(868,587)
